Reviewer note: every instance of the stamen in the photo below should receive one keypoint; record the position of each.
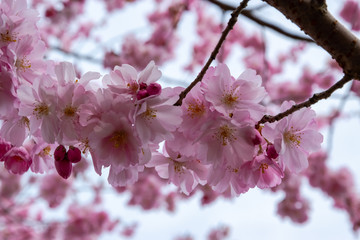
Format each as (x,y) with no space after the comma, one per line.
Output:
(149,114)
(133,86)
(196,109)
(45,152)
(178,167)
(225,135)
(119,138)
(229,99)
(41,110)
(7,37)
(263,167)
(22,64)
(24,121)
(292,138)
(70,111)
(84,145)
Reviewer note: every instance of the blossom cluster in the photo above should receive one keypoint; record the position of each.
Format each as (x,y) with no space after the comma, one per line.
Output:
(126,121)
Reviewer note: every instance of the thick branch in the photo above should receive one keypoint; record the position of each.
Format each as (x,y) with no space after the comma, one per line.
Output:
(230,25)
(314,99)
(261,22)
(315,20)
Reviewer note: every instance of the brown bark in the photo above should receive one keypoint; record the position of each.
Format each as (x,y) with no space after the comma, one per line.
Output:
(313,17)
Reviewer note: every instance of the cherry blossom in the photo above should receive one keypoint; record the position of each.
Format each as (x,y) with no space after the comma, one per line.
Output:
(38,103)
(17,160)
(229,95)
(294,137)
(184,172)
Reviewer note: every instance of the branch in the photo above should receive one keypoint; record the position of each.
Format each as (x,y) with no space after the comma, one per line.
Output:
(76,55)
(261,22)
(315,20)
(230,25)
(314,99)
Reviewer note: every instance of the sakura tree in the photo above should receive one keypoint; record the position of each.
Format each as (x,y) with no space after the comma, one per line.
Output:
(150,103)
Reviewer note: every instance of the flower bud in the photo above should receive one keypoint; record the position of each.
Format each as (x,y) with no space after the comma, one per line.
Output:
(64,168)
(60,153)
(142,94)
(271,152)
(74,154)
(154,89)
(143,86)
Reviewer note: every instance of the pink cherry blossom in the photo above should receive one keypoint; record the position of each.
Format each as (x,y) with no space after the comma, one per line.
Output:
(124,176)
(114,142)
(184,172)
(223,141)
(126,79)
(196,114)
(38,103)
(72,97)
(294,137)
(157,118)
(229,95)
(261,172)
(41,154)
(15,128)
(227,180)
(17,160)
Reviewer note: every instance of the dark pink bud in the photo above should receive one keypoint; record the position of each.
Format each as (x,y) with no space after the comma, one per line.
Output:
(60,153)
(64,168)
(143,86)
(142,94)
(271,152)
(154,89)
(257,138)
(74,154)
(50,12)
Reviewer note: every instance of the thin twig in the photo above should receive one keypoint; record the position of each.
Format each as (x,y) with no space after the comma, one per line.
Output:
(230,25)
(261,22)
(77,55)
(314,99)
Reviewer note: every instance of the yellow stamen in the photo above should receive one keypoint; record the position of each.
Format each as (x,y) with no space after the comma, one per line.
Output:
(133,86)
(70,111)
(196,109)
(229,99)
(225,135)
(22,64)
(84,145)
(149,114)
(7,37)
(45,152)
(263,167)
(41,110)
(292,138)
(119,138)
(24,121)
